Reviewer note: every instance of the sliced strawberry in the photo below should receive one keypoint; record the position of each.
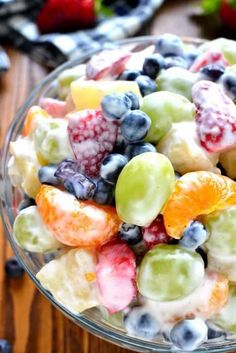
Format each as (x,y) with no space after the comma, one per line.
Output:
(54,107)
(215,118)
(107,63)
(116,273)
(92,138)
(209,57)
(155,233)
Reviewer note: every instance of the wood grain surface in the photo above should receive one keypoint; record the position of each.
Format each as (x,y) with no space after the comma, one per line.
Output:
(27,319)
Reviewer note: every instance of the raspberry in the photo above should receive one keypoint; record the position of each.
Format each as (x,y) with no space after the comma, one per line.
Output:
(215,118)
(155,233)
(209,57)
(104,64)
(92,138)
(116,272)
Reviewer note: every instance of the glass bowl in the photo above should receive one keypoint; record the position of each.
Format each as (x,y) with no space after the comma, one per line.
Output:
(92,319)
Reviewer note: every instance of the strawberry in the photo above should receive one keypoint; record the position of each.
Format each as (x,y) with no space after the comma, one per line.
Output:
(66,15)
(215,118)
(105,64)
(54,107)
(116,272)
(208,57)
(155,233)
(228,13)
(92,138)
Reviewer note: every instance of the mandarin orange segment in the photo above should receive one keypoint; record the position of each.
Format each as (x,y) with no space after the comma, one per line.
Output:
(35,113)
(73,222)
(195,194)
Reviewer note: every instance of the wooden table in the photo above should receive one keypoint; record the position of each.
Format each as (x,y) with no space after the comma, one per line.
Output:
(27,319)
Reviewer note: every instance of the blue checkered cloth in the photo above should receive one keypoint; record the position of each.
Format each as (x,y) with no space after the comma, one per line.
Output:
(17,26)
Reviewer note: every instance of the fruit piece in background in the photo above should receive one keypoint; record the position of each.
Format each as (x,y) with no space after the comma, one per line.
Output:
(66,77)
(208,57)
(88,94)
(226,10)
(228,162)
(194,194)
(31,234)
(54,107)
(143,187)
(51,141)
(33,119)
(64,15)
(226,318)
(76,223)
(226,46)
(206,300)
(23,166)
(177,80)
(215,118)
(71,279)
(107,64)
(92,138)
(181,145)
(221,226)
(116,271)
(155,233)
(163,108)
(169,272)
(13,269)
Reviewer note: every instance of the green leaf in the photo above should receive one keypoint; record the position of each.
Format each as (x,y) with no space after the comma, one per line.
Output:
(100,9)
(211,6)
(232,3)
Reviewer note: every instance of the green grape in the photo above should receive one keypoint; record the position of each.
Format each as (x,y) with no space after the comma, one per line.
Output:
(223,264)
(68,76)
(227,316)
(30,232)
(163,108)
(177,80)
(71,279)
(115,319)
(169,272)
(227,46)
(143,188)
(221,226)
(51,141)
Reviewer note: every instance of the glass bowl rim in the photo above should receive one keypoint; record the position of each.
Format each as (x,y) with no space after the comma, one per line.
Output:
(110,333)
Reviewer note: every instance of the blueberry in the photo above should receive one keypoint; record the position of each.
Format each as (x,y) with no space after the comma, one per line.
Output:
(26,202)
(203,254)
(120,144)
(46,175)
(189,334)
(5,346)
(135,125)
(134,100)
(115,105)
(229,82)
(111,167)
(177,175)
(138,322)
(146,85)
(80,186)
(175,61)
(129,75)
(169,44)
(153,65)
(130,233)
(194,235)
(104,193)
(135,149)
(66,169)
(190,55)
(13,268)
(215,331)
(212,72)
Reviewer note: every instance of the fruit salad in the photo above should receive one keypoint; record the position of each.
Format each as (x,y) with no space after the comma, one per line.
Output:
(128,181)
